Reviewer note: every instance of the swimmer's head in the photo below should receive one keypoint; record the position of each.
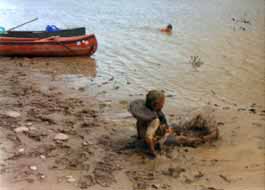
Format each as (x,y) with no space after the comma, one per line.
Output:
(169,27)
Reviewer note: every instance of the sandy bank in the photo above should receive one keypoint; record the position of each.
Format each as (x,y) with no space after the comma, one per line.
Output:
(97,149)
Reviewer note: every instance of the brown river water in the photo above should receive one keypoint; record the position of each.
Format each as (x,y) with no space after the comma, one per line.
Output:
(133,56)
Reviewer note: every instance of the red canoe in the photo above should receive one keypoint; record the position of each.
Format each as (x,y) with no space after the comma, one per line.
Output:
(53,46)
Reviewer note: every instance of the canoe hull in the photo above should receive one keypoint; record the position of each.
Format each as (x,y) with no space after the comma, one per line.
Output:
(68,46)
(43,34)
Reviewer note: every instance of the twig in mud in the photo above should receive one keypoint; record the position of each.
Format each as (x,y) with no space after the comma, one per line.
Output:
(242,20)
(225,178)
(46,119)
(195,61)
(213,188)
(23,179)
(213,92)
(13,157)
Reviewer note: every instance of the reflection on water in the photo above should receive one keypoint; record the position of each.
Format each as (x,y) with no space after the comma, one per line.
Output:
(137,57)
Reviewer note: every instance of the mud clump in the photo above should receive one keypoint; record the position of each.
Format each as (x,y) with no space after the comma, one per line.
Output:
(195,131)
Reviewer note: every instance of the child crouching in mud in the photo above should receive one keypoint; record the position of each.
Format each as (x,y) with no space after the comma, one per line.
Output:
(153,128)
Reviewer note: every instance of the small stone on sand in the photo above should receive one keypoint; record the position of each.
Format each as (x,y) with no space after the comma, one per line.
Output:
(42,177)
(28,124)
(32,128)
(61,137)
(21,129)
(21,150)
(70,179)
(33,168)
(43,157)
(13,114)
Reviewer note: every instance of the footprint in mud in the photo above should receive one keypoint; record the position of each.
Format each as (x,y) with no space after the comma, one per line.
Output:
(36,135)
(103,178)
(86,181)
(8,122)
(241,109)
(252,110)
(73,159)
(103,172)
(145,180)
(173,172)
(257,124)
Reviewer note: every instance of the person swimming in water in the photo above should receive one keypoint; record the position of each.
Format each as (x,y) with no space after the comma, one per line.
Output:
(168,29)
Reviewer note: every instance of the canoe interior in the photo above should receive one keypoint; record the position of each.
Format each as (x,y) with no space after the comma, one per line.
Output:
(43,34)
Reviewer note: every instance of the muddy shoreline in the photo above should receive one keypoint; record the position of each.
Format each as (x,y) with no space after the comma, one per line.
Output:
(54,137)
